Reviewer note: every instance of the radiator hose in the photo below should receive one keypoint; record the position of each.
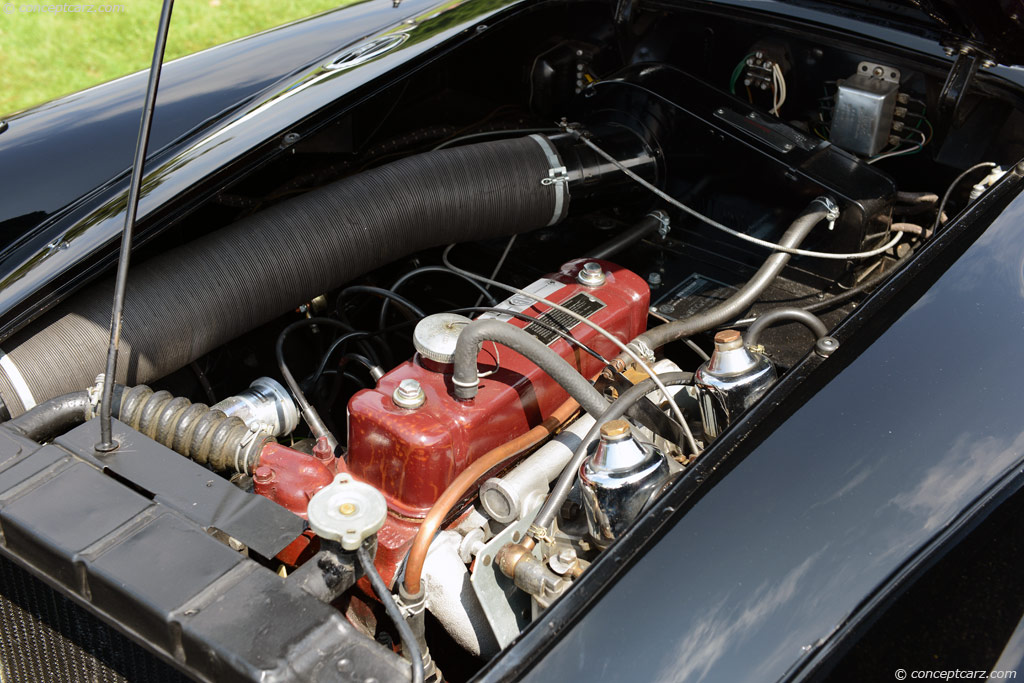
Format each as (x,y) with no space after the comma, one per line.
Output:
(192,299)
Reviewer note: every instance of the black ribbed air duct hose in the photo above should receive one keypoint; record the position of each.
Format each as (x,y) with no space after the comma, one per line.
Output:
(191,300)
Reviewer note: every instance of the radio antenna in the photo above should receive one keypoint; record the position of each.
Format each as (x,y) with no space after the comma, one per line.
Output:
(107,442)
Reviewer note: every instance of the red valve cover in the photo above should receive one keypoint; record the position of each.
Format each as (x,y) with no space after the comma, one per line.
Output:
(413,455)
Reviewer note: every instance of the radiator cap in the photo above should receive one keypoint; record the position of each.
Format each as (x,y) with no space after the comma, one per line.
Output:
(347,511)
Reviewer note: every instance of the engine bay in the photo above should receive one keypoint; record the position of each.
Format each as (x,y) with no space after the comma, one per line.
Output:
(484,316)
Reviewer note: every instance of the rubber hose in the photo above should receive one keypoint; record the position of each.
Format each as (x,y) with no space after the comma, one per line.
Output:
(193,299)
(560,490)
(52,418)
(466,378)
(194,430)
(744,298)
(785,314)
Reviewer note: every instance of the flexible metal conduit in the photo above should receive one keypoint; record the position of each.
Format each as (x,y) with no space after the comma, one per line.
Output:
(188,301)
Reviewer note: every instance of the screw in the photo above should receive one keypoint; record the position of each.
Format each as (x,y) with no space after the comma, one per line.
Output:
(290,139)
(988,63)
(949,51)
(263,474)
(654,279)
(409,395)
(591,275)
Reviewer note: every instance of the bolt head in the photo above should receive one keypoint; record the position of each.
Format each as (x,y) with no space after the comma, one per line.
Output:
(409,395)
(654,279)
(615,430)
(264,474)
(591,275)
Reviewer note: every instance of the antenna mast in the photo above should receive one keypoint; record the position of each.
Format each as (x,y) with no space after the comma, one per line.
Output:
(107,442)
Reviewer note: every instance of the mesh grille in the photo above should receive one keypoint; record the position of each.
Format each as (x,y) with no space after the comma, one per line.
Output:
(44,637)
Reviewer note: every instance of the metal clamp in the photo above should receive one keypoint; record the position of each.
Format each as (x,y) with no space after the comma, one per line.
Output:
(556,176)
(662,218)
(831,208)
(541,534)
(96,394)
(255,430)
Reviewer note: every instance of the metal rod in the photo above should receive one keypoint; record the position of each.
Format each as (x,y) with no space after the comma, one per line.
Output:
(107,442)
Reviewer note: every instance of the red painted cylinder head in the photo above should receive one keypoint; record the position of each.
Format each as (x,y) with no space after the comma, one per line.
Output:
(413,454)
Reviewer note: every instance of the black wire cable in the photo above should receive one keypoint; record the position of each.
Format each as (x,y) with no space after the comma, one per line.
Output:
(312,417)
(494,273)
(409,645)
(508,132)
(380,291)
(952,186)
(382,320)
(561,332)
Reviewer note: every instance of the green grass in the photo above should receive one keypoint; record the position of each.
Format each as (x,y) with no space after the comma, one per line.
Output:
(45,55)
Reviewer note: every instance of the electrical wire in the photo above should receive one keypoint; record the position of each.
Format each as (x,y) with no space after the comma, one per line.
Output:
(382,318)
(507,132)
(497,267)
(691,442)
(739,235)
(409,644)
(736,73)
(918,146)
(952,186)
(359,334)
(778,90)
(380,291)
(309,413)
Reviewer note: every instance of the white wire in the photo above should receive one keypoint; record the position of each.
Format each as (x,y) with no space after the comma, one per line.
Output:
(777,74)
(739,235)
(776,91)
(900,152)
(691,442)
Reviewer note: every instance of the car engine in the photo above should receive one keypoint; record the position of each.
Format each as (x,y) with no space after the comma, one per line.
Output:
(476,321)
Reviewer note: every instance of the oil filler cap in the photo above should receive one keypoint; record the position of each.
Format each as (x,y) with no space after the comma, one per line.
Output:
(347,511)
(436,335)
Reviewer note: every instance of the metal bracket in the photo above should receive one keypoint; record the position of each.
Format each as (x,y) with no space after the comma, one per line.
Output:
(958,82)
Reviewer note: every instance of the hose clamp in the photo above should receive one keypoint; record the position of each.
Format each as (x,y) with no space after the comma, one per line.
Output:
(556,175)
(557,178)
(541,534)
(256,429)
(95,393)
(643,350)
